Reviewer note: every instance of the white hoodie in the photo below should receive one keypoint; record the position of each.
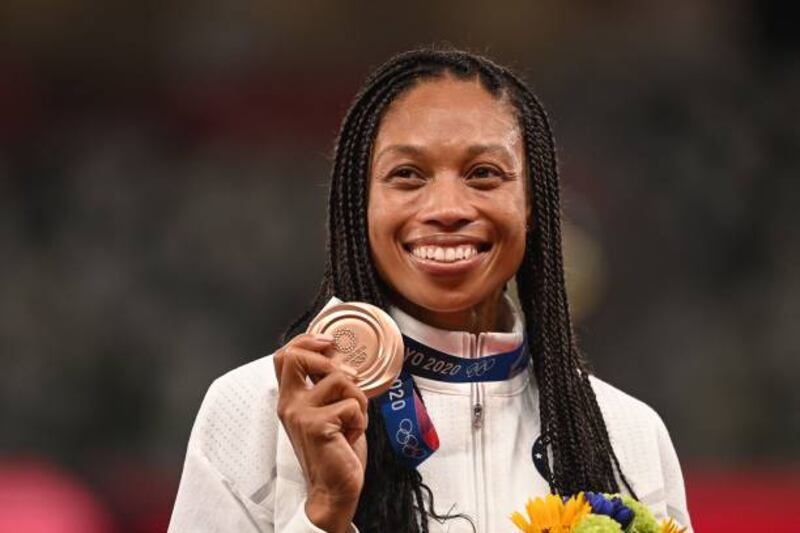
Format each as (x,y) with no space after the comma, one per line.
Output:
(241,474)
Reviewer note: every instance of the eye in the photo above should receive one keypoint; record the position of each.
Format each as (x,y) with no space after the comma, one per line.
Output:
(483,172)
(405,172)
(406,178)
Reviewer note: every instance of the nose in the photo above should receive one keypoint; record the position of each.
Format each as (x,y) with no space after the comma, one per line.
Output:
(447,204)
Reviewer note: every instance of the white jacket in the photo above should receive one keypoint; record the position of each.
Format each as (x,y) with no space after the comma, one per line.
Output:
(241,474)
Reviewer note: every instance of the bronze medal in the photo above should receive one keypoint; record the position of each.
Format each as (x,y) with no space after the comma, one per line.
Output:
(366,338)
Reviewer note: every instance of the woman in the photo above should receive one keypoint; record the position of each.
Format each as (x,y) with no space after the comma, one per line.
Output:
(444,188)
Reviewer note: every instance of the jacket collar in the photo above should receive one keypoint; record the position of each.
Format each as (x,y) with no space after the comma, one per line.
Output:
(469,345)
(464,343)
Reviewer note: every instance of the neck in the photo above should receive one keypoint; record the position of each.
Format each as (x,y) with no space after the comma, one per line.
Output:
(487,315)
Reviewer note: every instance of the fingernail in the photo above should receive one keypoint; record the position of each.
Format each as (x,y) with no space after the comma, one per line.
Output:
(349,370)
(324,337)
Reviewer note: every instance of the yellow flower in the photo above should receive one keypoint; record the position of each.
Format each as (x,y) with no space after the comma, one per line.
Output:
(552,514)
(669,526)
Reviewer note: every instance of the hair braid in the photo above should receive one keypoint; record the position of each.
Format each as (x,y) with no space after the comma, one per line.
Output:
(589,429)
(394,496)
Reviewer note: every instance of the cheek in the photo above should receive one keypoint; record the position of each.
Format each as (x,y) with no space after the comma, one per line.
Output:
(374,210)
(515,224)
(515,213)
(377,222)
(387,213)
(382,226)
(373,226)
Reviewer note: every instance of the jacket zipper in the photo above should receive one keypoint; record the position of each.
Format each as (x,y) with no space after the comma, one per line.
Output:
(478,459)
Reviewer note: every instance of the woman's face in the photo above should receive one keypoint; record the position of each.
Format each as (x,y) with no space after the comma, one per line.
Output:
(447,206)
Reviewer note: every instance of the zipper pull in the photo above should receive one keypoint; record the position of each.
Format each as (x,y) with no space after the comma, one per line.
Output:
(477,416)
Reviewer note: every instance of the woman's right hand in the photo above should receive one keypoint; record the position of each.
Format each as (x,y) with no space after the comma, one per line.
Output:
(326,423)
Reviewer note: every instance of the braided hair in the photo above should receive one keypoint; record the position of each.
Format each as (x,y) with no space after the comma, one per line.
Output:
(394,497)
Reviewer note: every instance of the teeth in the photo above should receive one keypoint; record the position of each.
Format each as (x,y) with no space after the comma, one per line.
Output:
(445,254)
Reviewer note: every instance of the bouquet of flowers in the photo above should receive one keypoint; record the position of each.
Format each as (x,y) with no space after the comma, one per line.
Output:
(590,512)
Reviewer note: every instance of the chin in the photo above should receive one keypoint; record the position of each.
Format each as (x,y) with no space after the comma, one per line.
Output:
(447,301)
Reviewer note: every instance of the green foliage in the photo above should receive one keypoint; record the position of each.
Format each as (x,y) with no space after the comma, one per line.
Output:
(597,523)
(643,520)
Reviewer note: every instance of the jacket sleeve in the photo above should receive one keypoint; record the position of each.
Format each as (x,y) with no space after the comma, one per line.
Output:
(224,448)
(675,492)
(207,502)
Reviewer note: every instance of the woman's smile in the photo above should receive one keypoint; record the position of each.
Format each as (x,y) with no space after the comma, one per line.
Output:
(447,255)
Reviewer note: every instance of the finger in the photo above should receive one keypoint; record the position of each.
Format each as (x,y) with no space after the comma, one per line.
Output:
(346,417)
(353,436)
(299,363)
(313,342)
(337,386)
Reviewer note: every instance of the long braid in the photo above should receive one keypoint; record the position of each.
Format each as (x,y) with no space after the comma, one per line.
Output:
(564,384)
(394,496)
(573,383)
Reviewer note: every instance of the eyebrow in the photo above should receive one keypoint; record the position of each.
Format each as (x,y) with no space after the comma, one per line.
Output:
(415,150)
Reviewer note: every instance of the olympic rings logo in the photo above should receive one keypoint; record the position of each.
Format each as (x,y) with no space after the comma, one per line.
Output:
(479,368)
(409,443)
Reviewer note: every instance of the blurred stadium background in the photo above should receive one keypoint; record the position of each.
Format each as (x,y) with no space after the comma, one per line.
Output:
(163,171)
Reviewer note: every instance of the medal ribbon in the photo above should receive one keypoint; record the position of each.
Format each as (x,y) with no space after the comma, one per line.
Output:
(426,362)
(408,426)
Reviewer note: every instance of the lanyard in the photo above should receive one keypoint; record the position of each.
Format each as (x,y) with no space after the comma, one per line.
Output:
(408,426)
(426,362)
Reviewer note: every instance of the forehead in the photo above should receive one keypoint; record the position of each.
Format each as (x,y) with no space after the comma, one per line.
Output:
(448,112)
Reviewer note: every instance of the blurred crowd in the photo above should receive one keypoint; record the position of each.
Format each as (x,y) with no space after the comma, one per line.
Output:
(163,173)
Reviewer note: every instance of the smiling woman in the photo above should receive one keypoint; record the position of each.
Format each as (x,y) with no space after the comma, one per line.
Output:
(447,205)
(444,188)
